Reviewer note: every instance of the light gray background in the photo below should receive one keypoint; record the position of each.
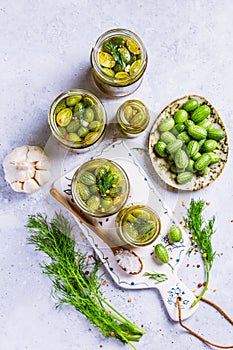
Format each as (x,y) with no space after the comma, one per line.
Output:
(45,49)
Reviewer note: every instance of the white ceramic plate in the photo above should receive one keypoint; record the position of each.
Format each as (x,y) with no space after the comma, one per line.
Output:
(161,165)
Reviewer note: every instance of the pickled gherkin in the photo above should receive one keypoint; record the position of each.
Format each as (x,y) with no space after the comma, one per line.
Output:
(72,100)
(73,126)
(83,191)
(60,106)
(89,115)
(93,202)
(88,178)
(74,137)
(82,131)
(106,203)
(94,125)
(141,214)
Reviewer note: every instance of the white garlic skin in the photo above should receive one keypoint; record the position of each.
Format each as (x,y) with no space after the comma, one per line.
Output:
(26,168)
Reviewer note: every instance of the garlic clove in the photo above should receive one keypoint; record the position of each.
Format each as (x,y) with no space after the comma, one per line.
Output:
(10,171)
(30,186)
(42,176)
(19,154)
(20,171)
(24,174)
(17,186)
(43,164)
(34,154)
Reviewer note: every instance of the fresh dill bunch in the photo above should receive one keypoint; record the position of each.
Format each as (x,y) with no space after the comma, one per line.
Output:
(72,284)
(201,235)
(157,277)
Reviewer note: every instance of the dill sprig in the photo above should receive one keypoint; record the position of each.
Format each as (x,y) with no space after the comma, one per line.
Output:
(72,284)
(116,54)
(104,181)
(201,235)
(157,277)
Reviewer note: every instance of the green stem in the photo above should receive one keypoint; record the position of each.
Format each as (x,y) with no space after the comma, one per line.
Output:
(170,266)
(98,297)
(122,317)
(132,346)
(204,289)
(124,335)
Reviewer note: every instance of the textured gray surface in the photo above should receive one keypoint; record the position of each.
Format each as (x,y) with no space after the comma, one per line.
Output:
(45,48)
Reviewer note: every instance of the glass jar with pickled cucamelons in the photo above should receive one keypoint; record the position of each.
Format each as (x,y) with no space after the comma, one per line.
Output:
(138,225)
(133,117)
(119,60)
(77,120)
(100,187)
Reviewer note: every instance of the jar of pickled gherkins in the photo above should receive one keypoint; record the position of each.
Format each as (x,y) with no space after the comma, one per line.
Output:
(133,117)
(138,225)
(100,187)
(77,120)
(119,60)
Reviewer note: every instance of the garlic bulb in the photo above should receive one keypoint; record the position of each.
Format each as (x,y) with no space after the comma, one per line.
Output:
(26,168)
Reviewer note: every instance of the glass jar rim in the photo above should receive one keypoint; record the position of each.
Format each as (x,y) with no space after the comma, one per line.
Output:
(80,202)
(54,127)
(112,80)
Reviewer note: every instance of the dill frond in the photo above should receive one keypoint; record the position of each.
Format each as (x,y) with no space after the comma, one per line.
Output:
(201,235)
(72,284)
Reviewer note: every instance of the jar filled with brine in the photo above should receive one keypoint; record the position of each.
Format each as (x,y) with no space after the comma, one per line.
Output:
(133,117)
(119,60)
(77,120)
(100,187)
(138,225)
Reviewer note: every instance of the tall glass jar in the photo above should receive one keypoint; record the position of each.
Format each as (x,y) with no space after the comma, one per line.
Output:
(77,120)
(119,60)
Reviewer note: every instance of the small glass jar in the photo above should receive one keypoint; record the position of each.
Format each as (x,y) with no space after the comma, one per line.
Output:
(119,60)
(77,120)
(100,187)
(133,117)
(138,225)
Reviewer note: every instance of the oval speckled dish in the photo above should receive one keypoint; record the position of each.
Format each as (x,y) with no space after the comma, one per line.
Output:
(161,165)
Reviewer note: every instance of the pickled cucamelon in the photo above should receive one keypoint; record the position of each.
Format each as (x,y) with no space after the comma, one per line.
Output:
(138,225)
(133,117)
(101,186)
(120,57)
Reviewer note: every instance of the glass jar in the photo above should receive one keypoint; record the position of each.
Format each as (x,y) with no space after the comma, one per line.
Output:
(77,120)
(133,117)
(119,60)
(100,187)
(138,225)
